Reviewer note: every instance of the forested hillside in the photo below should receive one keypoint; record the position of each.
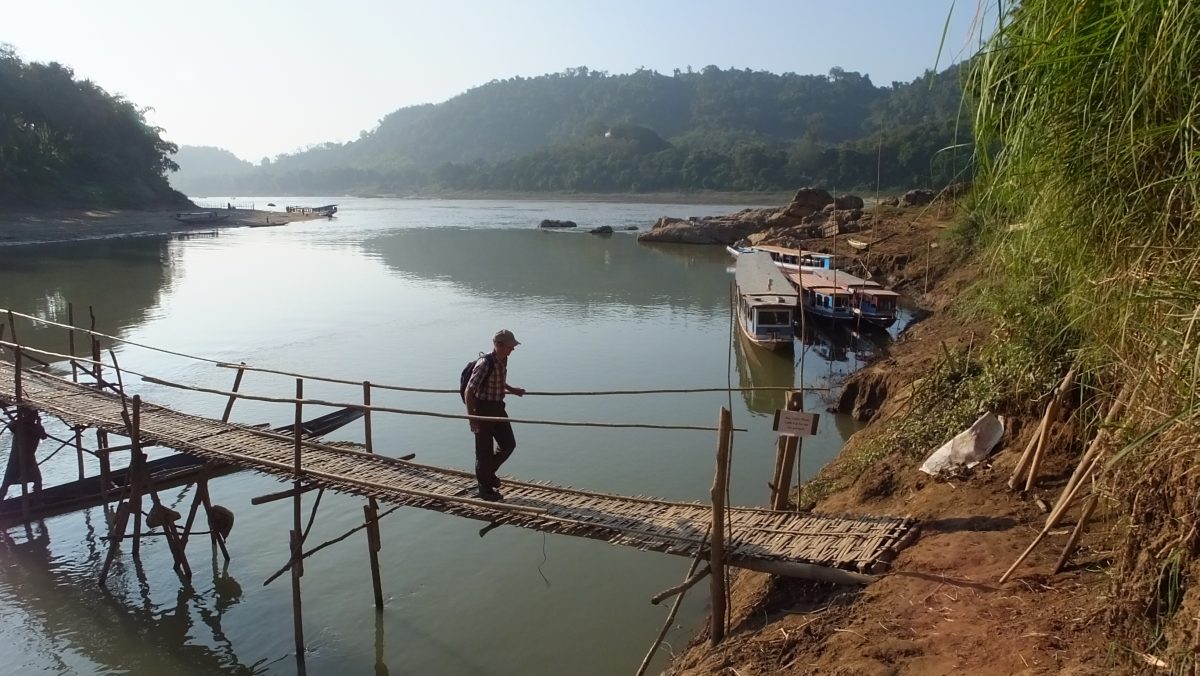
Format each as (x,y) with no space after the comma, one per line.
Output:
(67,142)
(588,131)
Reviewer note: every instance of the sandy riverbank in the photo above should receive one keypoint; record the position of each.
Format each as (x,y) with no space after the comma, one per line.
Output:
(41,226)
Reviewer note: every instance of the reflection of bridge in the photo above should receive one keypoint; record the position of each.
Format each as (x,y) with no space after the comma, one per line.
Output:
(831,548)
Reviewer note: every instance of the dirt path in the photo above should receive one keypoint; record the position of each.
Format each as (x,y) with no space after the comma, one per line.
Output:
(69,225)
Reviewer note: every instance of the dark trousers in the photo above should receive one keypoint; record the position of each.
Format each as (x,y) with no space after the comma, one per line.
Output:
(488,458)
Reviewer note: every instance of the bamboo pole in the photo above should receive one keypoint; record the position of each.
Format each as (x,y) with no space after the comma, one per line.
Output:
(662,633)
(295,540)
(1049,524)
(1110,419)
(1076,533)
(1051,415)
(371,509)
(237,383)
(1023,462)
(71,342)
(681,587)
(717,548)
(79,449)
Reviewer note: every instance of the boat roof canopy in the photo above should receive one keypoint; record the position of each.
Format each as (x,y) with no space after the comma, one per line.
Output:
(757,275)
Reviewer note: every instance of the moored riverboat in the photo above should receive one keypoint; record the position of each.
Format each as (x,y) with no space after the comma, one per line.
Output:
(766,302)
(789,260)
(200,217)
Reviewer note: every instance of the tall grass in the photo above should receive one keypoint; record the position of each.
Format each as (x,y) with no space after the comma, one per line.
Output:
(1088,136)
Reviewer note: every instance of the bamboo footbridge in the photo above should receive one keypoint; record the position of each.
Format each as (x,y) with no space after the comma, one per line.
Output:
(758,539)
(828,548)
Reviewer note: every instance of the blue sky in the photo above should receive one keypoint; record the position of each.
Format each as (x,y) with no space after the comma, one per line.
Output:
(263,77)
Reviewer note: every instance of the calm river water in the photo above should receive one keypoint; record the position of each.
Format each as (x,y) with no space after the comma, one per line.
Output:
(404,292)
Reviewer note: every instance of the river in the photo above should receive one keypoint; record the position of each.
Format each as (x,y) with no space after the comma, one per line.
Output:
(405,292)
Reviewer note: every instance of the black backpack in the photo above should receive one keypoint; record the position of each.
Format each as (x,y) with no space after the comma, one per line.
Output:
(469,369)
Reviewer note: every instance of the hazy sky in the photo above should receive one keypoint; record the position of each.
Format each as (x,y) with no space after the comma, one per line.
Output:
(263,77)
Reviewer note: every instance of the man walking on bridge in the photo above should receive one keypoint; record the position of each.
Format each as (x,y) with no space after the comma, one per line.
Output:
(484,396)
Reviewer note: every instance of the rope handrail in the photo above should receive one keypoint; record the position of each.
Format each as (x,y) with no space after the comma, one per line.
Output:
(382,409)
(528,393)
(397,388)
(105,335)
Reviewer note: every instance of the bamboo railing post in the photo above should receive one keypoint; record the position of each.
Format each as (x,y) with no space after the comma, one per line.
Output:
(71,344)
(717,547)
(102,454)
(371,509)
(295,540)
(237,382)
(16,359)
(96,360)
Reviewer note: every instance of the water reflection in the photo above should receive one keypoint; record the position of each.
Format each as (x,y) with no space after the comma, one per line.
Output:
(79,618)
(121,279)
(571,268)
(758,367)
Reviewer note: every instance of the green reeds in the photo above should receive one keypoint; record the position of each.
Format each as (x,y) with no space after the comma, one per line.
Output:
(1088,141)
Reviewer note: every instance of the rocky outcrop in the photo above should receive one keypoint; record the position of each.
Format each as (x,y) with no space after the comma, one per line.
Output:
(701,231)
(848,202)
(602,230)
(917,197)
(552,223)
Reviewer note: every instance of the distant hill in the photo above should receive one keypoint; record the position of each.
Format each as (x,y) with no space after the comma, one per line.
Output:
(67,142)
(588,131)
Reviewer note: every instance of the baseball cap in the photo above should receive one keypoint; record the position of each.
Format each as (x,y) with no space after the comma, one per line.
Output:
(505,337)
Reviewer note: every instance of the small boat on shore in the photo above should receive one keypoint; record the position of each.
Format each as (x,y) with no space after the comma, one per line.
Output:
(858,244)
(200,217)
(766,302)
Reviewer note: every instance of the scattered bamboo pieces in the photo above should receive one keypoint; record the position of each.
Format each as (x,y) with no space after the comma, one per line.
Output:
(1083,471)
(1036,448)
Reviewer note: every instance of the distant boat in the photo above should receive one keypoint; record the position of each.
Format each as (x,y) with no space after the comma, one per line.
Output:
(200,217)
(328,210)
(766,302)
(858,244)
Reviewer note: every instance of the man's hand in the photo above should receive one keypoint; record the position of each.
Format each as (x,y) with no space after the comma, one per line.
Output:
(474,425)
(519,391)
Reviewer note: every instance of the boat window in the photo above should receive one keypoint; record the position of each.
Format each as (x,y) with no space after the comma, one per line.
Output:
(774,318)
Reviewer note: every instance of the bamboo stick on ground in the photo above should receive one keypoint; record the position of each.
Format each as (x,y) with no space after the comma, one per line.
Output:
(1052,410)
(1114,412)
(1074,539)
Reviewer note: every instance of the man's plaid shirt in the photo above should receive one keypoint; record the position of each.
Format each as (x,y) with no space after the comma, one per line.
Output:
(492,387)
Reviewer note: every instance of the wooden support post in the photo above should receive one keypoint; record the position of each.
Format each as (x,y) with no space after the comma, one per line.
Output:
(786,457)
(781,478)
(296,539)
(717,537)
(371,509)
(96,360)
(71,345)
(237,382)
(137,469)
(79,449)
(105,466)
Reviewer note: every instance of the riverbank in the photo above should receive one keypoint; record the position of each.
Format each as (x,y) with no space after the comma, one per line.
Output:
(940,609)
(702,197)
(43,226)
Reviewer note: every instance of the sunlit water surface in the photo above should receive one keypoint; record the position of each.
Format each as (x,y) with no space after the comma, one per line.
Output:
(405,292)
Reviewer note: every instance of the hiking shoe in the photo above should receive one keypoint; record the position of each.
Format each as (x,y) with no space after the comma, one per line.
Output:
(491,495)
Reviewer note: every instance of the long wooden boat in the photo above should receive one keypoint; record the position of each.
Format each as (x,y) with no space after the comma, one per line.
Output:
(789,260)
(841,295)
(766,302)
(200,217)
